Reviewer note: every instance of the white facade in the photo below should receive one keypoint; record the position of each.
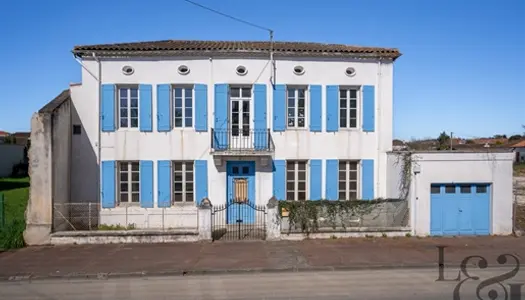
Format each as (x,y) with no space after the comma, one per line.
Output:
(187,144)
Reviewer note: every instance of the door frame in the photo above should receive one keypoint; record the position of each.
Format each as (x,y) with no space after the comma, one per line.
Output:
(247,211)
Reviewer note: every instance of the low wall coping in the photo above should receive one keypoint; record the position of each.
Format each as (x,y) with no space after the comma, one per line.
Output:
(351,229)
(99,233)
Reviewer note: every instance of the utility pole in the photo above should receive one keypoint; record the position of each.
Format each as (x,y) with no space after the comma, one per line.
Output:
(451,134)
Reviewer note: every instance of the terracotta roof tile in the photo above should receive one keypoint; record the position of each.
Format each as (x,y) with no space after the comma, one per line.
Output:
(158,48)
(519,144)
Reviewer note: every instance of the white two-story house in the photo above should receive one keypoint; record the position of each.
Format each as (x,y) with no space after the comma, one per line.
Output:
(159,126)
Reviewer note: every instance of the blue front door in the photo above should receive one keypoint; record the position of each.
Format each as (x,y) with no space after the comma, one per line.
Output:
(460,209)
(240,193)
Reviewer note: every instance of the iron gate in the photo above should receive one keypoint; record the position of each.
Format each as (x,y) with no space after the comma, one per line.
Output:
(238,220)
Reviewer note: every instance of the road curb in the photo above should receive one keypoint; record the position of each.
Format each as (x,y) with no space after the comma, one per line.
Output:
(146,274)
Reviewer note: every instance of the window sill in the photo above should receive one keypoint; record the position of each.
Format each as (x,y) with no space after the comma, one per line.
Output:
(298,129)
(128,130)
(126,205)
(351,129)
(183,205)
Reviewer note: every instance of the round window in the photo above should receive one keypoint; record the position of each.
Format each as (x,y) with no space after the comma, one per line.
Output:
(350,71)
(241,70)
(298,70)
(127,70)
(183,70)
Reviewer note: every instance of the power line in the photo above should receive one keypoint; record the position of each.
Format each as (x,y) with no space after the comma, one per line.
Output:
(229,16)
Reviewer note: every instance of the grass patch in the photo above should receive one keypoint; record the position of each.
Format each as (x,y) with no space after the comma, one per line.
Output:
(519,169)
(16,194)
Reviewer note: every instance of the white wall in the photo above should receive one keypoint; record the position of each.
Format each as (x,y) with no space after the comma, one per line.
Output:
(520,157)
(186,144)
(463,167)
(10,155)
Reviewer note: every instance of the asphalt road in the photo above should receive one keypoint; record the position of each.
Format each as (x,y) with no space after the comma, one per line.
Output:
(378,284)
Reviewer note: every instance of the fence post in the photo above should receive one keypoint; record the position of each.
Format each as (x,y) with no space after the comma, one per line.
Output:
(204,220)
(273,224)
(89,215)
(2,215)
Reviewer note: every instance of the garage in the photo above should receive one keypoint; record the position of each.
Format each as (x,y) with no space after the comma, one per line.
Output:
(460,209)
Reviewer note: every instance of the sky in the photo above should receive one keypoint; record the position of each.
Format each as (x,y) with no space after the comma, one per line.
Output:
(462,68)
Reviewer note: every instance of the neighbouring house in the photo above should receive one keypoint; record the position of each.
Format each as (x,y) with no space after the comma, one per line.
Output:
(519,151)
(156,127)
(3,136)
(21,138)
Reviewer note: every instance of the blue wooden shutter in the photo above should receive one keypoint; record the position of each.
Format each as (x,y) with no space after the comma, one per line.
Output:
(146,121)
(201,107)
(315,108)
(201,180)
(332,108)
(163,107)
(260,121)
(332,175)
(316,173)
(108,184)
(220,140)
(369,108)
(107,109)
(279,107)
(146,183)
(367,188)
(164,183)
(279,179)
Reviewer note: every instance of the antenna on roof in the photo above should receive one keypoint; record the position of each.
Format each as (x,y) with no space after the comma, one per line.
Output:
(270,31)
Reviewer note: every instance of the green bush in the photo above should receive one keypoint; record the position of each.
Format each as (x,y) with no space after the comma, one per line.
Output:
(12,235)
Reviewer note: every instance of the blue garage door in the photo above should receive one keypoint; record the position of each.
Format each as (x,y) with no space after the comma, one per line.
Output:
(460,209)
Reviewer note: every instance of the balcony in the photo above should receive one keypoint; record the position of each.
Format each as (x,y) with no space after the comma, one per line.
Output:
(244,142)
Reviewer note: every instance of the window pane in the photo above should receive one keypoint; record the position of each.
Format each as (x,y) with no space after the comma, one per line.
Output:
(301,196)
(135,187)
(178,112)
(123,176)
(245,170)
(353,175)
(353,113)
(134,123)
(177,197)
(300,122)
(188,92)
(353,185)
(134,112)
(178,102)
(291,112)
(465,189)
(235,170)
(301,102)
(342,175)
(188,102)
(434,189)
(124,197)
(290,186)
(189,186)
(123,112)
(123,122)
(123,93)
(342,195)
(246,92)
(188,113)
(353,166)
(300,112)
(291,93)
(189,197)
(177,186)
(290,175)
(123,167)
(178,92)
(188,122)
(301,93)
(291,122)
(480,189)
(353,123)
(290,165)
(134,102)
(450,189)
(134,92)
(123,102)
(353,94)
(353,104)
(290,195)
(302,175)
(178,122)
(135,197)
(342,94)
(342,185)
(134,166)
(177,177)
(301,186)
(342,104)
(352,196)
(235,92)
(291,102)
(301,165)
(124,187)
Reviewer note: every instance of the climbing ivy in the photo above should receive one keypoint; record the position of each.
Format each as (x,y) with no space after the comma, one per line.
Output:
(304,215)
(405,159)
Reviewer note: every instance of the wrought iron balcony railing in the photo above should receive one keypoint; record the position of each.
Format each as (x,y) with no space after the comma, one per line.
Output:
(235,140)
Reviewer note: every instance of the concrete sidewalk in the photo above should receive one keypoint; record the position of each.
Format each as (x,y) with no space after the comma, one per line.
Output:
(100,261)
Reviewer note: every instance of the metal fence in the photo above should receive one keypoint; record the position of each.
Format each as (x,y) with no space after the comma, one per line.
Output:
(75,216)
(2,211)
(88,216)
